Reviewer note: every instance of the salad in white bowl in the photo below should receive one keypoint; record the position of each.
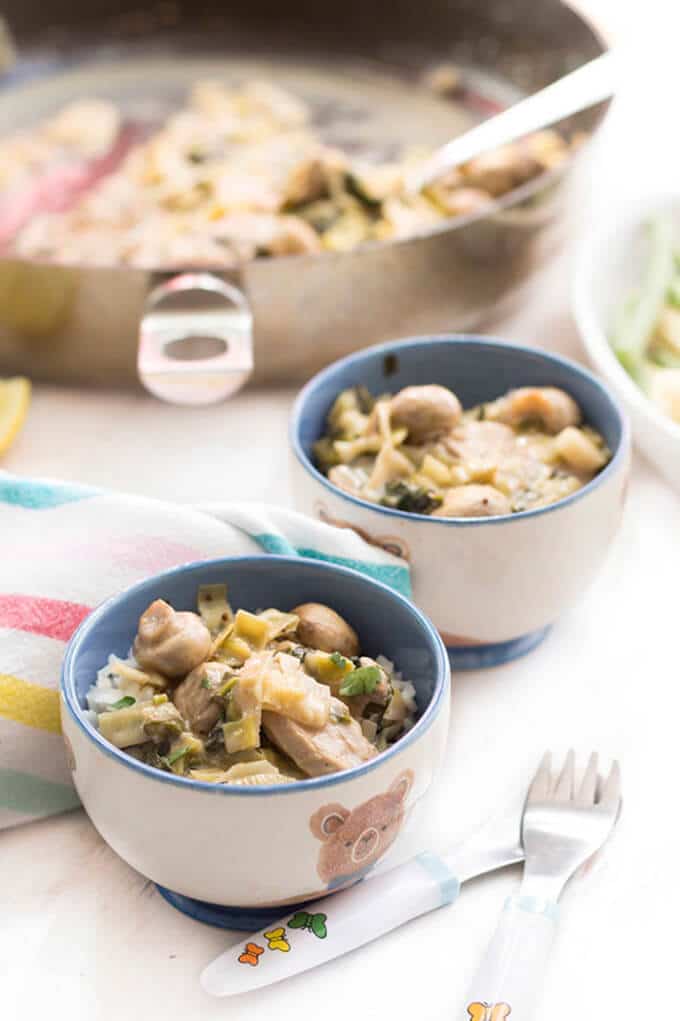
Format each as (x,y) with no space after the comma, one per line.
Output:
(627,308)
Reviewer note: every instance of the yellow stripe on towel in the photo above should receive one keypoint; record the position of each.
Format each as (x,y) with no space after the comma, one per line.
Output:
(30,704)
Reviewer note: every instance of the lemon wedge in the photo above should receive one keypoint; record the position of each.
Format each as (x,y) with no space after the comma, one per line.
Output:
(15,396)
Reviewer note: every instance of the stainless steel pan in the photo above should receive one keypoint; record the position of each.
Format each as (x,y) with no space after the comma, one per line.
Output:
(84,325)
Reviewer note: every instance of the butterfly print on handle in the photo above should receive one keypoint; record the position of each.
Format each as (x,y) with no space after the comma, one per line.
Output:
(489,1011)
(312,923)
(251,954)
(276,939)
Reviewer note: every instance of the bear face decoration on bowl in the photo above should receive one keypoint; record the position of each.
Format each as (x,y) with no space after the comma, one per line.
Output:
(353,841)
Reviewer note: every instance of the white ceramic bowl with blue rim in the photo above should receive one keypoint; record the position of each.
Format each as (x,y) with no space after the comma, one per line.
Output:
(234,855)
(492,586)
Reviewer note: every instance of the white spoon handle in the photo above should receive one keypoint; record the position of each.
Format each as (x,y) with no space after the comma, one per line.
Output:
(580,89)
(359,915)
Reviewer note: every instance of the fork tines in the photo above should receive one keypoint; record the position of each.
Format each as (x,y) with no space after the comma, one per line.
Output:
(549,785)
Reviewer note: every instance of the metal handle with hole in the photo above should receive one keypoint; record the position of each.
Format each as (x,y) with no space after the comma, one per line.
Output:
(195,340)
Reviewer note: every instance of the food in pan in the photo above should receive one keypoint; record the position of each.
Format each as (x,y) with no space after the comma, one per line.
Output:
(419,451)
(646,335)
(239,172)
(249,698)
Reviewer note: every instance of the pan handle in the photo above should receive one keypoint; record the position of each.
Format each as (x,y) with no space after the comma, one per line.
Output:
(195,340)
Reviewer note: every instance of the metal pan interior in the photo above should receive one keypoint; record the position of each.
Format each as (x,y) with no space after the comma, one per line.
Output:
(363,82)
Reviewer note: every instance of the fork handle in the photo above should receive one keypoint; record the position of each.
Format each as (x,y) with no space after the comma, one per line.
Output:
(508,982)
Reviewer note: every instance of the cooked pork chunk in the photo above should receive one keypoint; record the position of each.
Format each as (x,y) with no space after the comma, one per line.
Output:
(337,745)
(481,443)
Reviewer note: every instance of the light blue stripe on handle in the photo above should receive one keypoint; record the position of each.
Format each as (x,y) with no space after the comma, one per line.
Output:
(534,906)
(449,885)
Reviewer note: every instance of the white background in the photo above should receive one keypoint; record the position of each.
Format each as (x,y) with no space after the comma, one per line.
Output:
(82,936)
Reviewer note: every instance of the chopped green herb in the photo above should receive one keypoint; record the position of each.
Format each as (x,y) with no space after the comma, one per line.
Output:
(124,702)
(175,756)
(362,681)
(408,497)
(337,659)
(205,683)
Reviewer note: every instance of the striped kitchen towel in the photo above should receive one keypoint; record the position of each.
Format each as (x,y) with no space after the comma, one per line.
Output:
(64,549)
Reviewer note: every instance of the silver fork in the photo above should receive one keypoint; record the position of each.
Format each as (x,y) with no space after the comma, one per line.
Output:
(562,828)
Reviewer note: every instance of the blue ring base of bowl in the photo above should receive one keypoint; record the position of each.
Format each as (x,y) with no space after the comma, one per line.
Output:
(479,657)
(245,919)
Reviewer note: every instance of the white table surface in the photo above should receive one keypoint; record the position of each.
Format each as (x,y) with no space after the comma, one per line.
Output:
(83,936)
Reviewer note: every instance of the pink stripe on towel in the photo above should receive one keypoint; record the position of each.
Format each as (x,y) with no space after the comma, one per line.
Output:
(52,618)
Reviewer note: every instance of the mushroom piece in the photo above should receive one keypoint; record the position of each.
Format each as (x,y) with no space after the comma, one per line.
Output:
(552,407)
(195,696)
(321,628)
(170,642)
(500,170)
(473,502)
(426,411)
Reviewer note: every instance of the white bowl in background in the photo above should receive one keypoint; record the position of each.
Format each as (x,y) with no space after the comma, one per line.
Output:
(609,267)
(492,586)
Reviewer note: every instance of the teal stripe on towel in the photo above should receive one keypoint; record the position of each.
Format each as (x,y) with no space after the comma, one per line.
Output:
(30,795)
(275,544)
(34,495)
(389,574)
(394,575)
